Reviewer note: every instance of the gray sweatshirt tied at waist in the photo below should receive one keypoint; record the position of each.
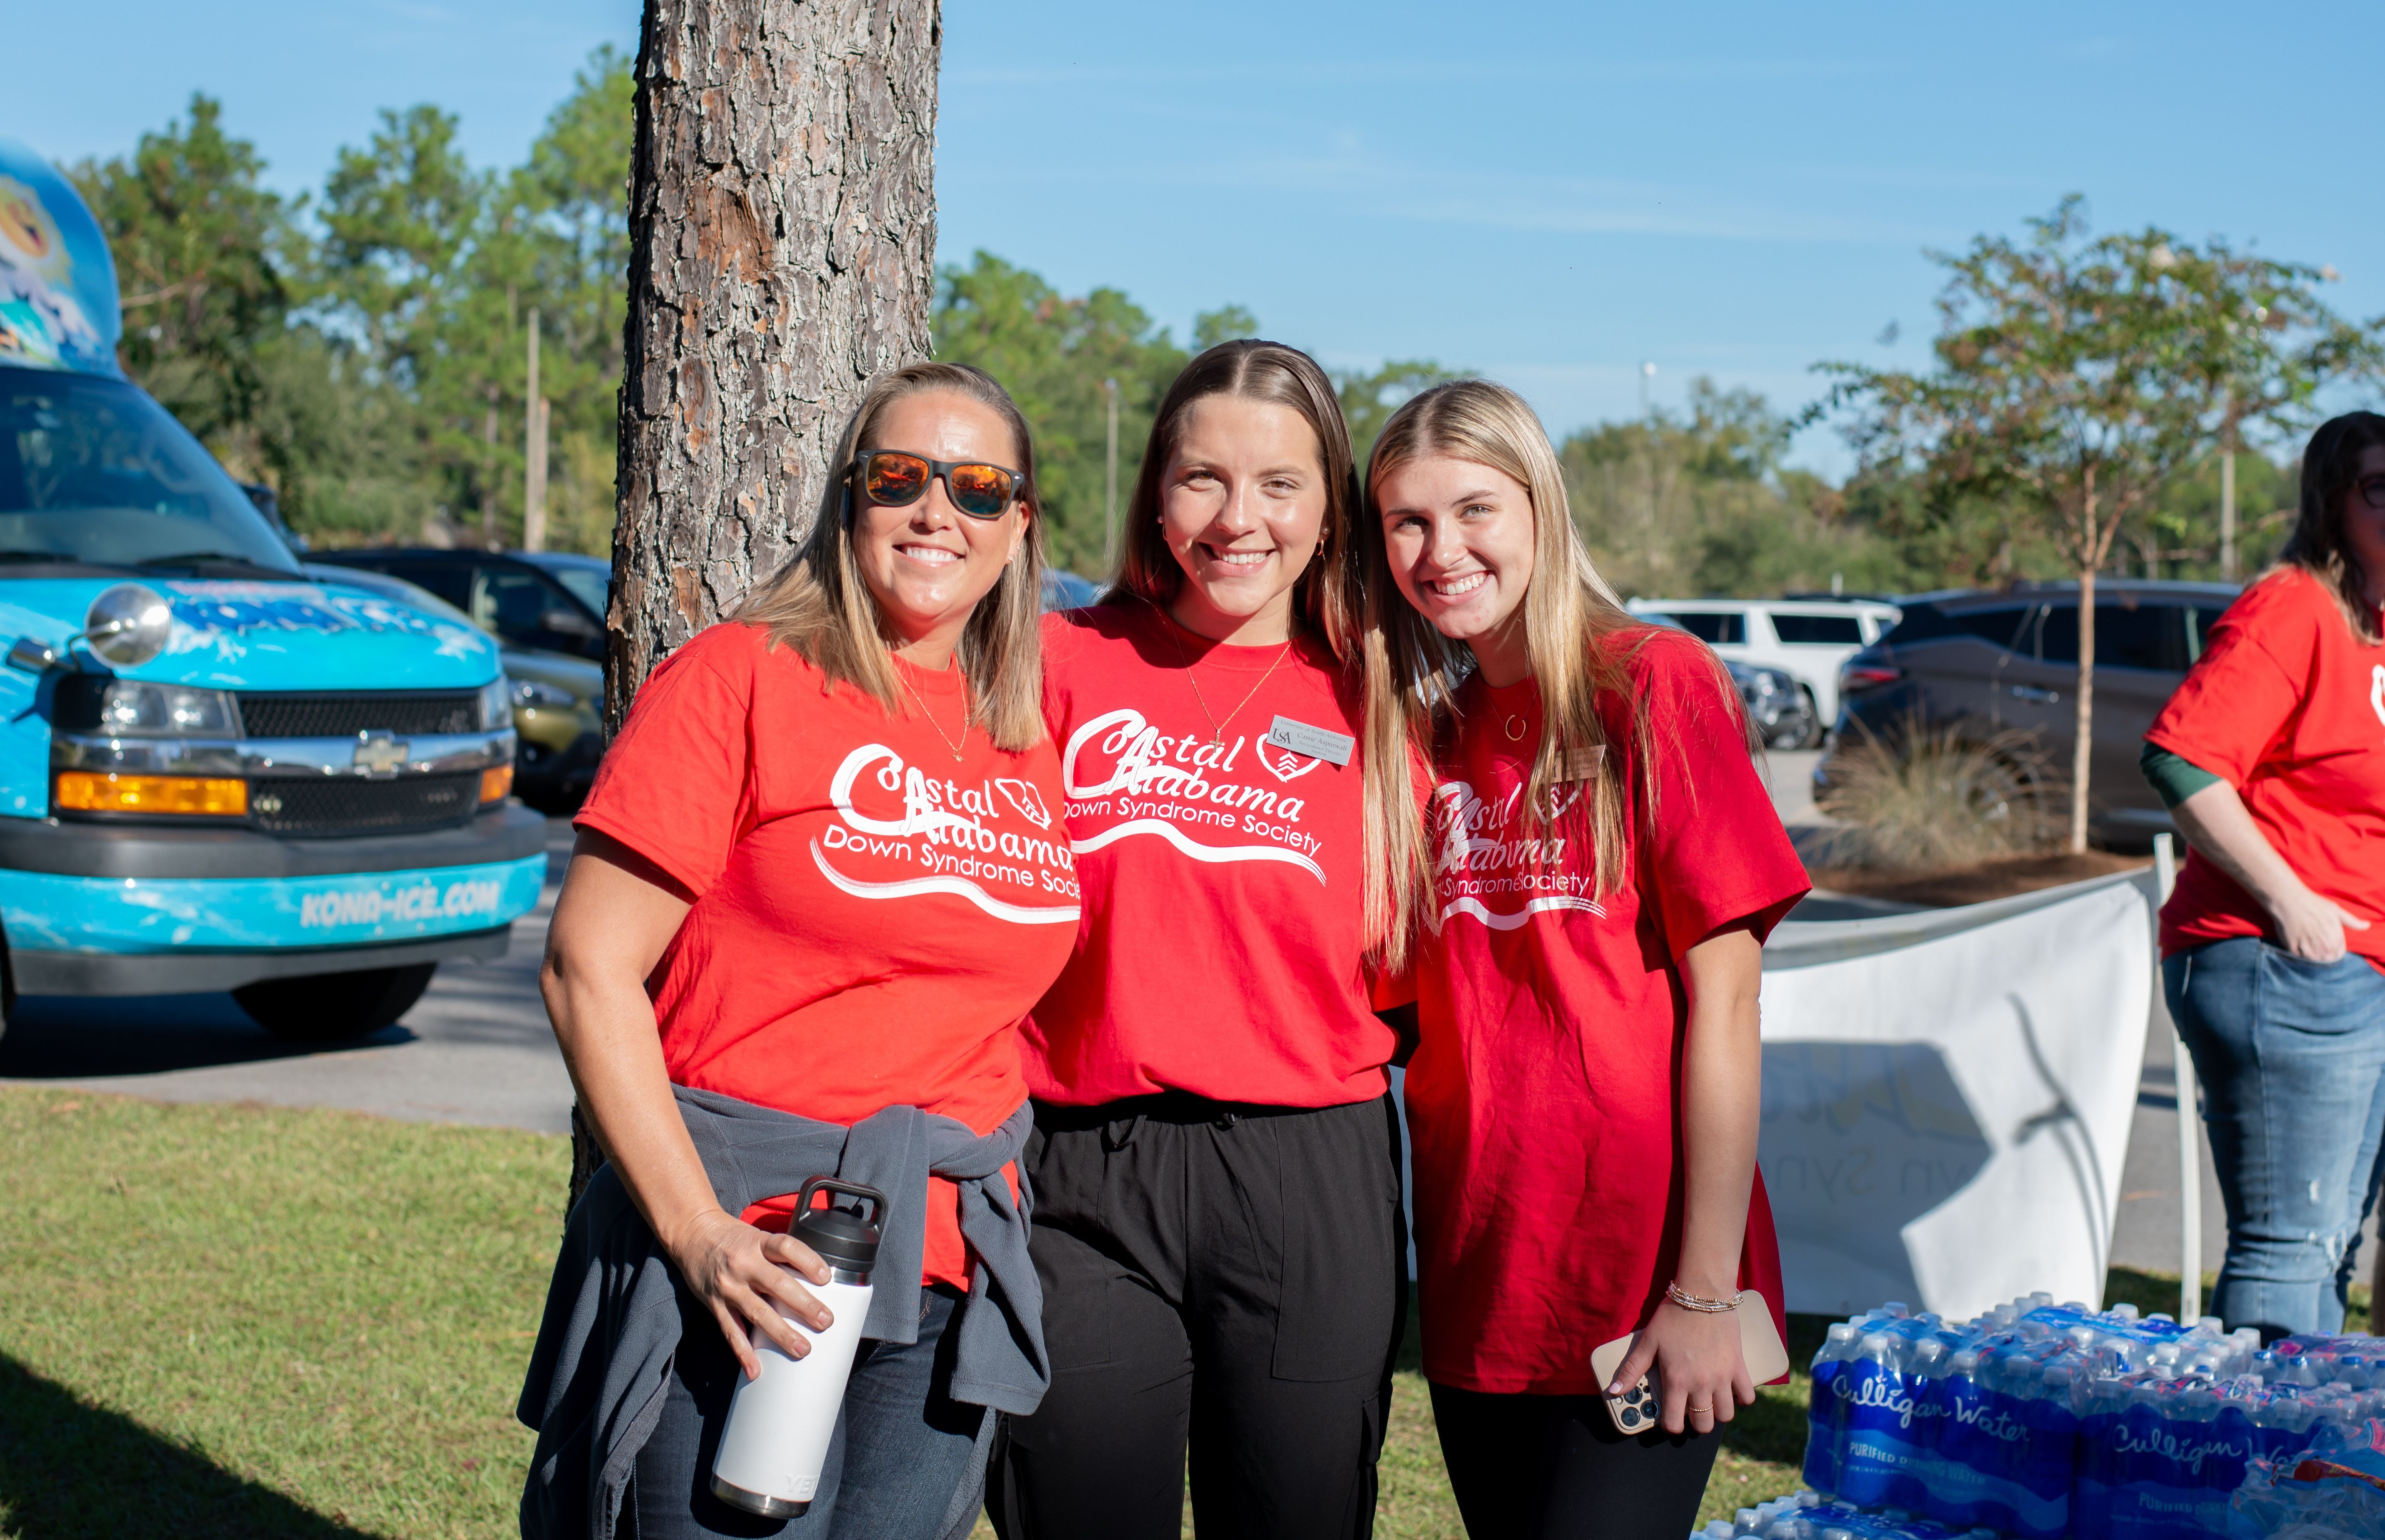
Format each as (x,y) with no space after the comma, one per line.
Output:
(604,1349)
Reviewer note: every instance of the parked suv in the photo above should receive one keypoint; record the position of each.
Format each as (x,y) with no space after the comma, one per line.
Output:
(1807,639)
(1995,663)
(549,602)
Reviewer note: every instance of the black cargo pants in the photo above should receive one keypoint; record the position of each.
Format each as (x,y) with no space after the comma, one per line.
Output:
(1229,1277)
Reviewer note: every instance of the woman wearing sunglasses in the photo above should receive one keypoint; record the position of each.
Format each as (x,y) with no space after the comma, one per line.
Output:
(2271,756)
(1593,878)
(819,880)
(1215,1159)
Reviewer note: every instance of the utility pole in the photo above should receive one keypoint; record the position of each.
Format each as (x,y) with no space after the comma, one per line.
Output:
(1647,375)
(1109,482)
(534,451)
(2227,506)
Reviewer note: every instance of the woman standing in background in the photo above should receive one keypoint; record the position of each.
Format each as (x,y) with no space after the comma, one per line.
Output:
(2271,756)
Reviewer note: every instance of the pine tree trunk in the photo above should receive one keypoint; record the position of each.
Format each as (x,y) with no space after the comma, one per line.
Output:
(783,238)
(782,234)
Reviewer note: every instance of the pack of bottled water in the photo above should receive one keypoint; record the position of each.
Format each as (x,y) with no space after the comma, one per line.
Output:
(2042,1421)
(1807,1515)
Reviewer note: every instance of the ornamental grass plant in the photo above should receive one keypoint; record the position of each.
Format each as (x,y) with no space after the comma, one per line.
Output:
(1924,797)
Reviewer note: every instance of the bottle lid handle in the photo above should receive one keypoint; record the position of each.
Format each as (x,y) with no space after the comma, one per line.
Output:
(834,1185)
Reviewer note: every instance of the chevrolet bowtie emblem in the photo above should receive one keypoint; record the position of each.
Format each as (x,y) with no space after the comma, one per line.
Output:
(381,754)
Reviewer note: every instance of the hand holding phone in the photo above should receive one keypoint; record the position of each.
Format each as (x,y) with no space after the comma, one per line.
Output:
(1639,1406)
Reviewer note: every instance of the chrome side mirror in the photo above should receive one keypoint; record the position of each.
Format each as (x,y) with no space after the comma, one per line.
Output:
(128,624)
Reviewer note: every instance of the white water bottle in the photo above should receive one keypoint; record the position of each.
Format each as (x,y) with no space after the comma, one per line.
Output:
(779,1425)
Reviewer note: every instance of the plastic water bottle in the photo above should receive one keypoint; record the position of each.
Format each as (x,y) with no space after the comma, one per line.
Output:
(781,1421)
(1826,1410)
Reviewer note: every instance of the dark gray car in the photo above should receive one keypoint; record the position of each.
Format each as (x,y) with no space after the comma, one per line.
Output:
(1994,662)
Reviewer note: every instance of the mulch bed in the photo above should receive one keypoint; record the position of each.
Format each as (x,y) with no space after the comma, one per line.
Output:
(2000,878)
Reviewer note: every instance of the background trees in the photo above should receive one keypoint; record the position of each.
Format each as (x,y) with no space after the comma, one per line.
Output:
(2077,378)
(363,350)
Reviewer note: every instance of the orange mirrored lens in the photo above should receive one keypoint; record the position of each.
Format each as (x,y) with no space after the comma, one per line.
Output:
(895,479)
(983,490)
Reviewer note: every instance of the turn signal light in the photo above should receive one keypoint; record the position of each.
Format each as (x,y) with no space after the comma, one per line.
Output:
(496,785)
(90,791)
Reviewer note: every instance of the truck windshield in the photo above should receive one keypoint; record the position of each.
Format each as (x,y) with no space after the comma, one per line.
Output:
(94,471)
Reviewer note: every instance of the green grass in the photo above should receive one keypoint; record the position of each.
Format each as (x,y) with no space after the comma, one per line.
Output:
(245,1322)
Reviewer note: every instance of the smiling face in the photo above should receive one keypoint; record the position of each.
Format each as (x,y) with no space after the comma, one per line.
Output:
(1242,506)
(1459,538)
(928,564)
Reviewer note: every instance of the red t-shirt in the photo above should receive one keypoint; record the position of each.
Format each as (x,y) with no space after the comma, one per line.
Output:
(2287,706)
(1222,951)
(870,917)
(1545,1097)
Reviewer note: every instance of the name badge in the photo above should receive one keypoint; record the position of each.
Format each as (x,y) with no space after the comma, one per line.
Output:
(1580,765)
(1315,742)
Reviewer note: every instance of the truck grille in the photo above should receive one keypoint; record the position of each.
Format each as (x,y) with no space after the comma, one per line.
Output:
(326,806)
(407,714)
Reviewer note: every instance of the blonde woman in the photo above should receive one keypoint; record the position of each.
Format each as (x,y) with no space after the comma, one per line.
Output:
(1593,873)
(817,884)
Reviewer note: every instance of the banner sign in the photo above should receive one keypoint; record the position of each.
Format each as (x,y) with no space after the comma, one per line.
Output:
(1947,1097)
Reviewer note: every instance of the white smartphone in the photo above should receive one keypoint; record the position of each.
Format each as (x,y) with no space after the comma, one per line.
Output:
(1636,1410)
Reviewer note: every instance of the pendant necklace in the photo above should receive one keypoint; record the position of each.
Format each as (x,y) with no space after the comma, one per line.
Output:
(1217,728)
(955,748)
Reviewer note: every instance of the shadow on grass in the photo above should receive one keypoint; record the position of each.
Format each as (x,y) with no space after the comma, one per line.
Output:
(71,1470)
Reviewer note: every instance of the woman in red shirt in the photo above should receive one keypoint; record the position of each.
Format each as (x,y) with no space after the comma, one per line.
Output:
(2271,755)
(1596,872)
(1216,1158)
(817,884)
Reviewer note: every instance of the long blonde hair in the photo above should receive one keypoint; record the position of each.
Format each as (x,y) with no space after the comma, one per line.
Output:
(1325,599)
(819,604)
(1413,670)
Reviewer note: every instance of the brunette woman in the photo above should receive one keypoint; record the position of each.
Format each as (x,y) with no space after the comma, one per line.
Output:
(1216,1159)
(1595,873)
(2272,758)
(816,885)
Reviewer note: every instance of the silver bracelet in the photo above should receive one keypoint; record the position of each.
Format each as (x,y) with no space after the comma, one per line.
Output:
(1688,1301)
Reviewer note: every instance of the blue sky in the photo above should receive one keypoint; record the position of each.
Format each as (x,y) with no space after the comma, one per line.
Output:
(1550,193)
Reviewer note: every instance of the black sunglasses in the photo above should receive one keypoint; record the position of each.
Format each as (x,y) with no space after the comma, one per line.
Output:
(894,479)
(2372,490)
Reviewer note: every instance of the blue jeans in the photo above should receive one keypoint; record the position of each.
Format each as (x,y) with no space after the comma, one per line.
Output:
(2291,1056)
(901,1451)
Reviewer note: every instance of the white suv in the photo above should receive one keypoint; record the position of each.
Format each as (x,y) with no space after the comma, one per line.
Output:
(1808,638)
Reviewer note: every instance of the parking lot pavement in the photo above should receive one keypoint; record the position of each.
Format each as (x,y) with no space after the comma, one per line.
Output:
(474,1049)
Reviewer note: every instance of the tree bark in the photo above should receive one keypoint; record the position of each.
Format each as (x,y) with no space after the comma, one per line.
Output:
(782,234)
(783,237)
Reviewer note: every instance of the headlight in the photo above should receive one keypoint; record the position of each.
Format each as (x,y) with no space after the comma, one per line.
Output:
(133,708)
(496,705)
(542,697)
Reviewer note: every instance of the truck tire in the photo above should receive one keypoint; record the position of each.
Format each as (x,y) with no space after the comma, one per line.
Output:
(321,1007)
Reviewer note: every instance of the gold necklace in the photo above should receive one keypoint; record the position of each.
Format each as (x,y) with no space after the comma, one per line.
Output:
(1514,727)
(1217,728)
(955,748)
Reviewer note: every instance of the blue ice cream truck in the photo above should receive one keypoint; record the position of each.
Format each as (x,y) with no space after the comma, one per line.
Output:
(216,772)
